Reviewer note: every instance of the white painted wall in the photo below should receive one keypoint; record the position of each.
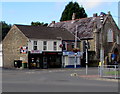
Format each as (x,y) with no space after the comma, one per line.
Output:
(1,60)
(40,45)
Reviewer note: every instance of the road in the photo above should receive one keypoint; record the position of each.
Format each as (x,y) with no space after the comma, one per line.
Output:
(54,80)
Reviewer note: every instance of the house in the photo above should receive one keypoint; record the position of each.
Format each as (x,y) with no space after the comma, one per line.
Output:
(34,46)
(92,28)
(1,61)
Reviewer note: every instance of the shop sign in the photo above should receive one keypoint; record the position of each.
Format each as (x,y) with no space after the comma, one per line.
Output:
(52,53)
(36,51)
(71,53)
(24,50)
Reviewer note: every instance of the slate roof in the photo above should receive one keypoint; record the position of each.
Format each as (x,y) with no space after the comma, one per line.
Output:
(42,32)
(85,26)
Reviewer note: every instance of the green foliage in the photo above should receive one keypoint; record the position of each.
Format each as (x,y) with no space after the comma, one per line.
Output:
(4,29)
(39,24)
(73,8)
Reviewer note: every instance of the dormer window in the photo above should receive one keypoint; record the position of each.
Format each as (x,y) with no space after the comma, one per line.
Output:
(110,36)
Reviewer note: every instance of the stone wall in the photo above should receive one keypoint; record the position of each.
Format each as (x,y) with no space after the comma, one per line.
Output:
(11,47)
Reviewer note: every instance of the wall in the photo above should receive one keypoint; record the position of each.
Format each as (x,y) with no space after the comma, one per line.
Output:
(1,61)
(40,44)
(110,46)
(11,47)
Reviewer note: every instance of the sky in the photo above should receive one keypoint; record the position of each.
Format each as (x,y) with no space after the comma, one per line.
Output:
(26,11)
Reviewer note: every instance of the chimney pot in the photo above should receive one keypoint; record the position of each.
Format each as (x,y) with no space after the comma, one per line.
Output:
(95,15)
(73,16)
(53,22)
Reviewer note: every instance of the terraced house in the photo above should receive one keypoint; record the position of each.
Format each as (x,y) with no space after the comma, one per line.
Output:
(35,46)
(104,35)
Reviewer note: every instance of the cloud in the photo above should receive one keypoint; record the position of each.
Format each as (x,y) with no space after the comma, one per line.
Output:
(88,4)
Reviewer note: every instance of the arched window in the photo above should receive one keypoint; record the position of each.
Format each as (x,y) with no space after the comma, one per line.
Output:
(110,36)
(118,41)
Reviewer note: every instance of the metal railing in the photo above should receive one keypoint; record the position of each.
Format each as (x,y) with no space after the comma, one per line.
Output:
(109,71)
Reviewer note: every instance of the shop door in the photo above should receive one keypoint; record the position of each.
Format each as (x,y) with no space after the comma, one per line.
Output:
(45,65)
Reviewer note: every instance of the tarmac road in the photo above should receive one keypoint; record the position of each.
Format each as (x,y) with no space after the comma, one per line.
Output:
(54,80)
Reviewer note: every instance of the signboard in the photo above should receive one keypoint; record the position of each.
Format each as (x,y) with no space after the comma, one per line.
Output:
(23,50)
(36,51)
(72,53)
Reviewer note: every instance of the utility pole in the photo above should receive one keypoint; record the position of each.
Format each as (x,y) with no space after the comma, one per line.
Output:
(76,37)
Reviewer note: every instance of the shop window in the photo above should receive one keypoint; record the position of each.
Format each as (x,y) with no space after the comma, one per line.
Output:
(55,45)
(110,36)
(44,45)
(35,45)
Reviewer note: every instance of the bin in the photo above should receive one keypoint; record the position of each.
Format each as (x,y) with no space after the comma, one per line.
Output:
(24,64)
(17,63)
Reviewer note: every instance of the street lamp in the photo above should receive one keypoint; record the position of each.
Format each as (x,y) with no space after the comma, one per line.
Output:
(86,47)
(75,47)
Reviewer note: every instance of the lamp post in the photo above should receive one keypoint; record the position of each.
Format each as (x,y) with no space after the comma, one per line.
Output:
(86,50)
(86,56)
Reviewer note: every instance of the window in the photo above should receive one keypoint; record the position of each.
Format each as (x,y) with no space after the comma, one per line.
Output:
(73,44)
(44,45)
(118,41)
(110,36)
(35,45)
(55,45)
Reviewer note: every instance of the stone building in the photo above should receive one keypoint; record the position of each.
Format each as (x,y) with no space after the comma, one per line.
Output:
(36,46)
(92,27)
(1,60)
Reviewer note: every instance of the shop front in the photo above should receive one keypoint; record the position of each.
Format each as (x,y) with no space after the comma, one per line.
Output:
(71,58)
(35,59)
(53,59)
(44,60)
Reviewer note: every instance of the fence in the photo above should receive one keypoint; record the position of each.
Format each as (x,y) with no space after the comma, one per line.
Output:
(109,71)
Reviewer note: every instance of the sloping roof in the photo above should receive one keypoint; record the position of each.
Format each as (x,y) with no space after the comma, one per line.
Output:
(42,32)
(85,26)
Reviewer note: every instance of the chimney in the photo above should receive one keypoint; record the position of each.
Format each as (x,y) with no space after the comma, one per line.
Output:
(109,13)
(53,22)
(95,15)
(73,16)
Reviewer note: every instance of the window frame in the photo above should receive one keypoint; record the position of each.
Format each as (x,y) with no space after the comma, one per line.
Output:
(54,45)
(44,45)
(35,47)
(110,37)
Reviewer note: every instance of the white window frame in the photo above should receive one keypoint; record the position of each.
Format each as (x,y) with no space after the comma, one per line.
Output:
(44,45)
(54,46)
(35,45)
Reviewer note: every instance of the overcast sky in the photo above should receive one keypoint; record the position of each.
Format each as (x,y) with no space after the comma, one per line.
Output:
(26,11)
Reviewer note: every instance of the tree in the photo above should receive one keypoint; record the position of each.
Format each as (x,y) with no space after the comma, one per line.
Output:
(39,24)
(4,29)
(73,8)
